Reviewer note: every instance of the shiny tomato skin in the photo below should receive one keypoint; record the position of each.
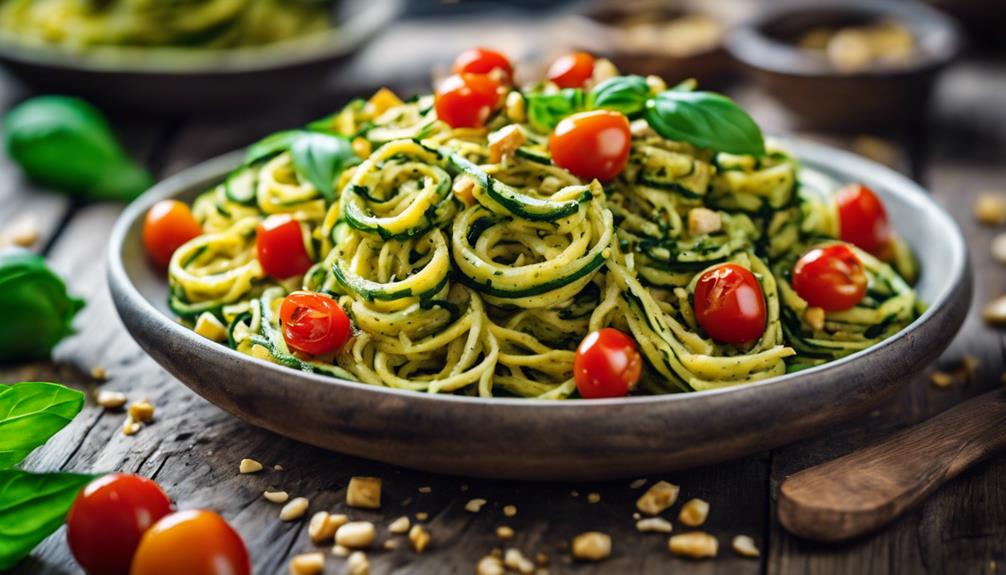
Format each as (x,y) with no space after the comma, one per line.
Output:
(607,364)
(862,219)
(168,225)
(280,246)
(592,144)
(830,277)
(466,100)
(109,517)
(572,70)
(729,304)
(313,323)
(194,543)
(483,61)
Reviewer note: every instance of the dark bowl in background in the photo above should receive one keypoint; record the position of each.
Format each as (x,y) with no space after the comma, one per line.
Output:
(185,81)
(821,96)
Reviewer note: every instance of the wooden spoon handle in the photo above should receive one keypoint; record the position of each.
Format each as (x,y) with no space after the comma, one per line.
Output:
(864,490)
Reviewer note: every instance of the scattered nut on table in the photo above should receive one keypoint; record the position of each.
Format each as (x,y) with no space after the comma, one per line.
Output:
(99,373)
(941,379)
(657,498)
(489,565)
(593,497)
(400,525)
(474,505)
(990,209)
(504,532)
(358,564)
(994,312)
(514,559)
(592,546)
(694,512)
(419,537)
(695,544)
(249,466)
(364,492)
(109,399)
(654,525)
(276,496)
(356,534)
(745,546)
(307,564)
(131,426)
(323,526)
(510,510)
(638,483)
(294,510)
(141,411)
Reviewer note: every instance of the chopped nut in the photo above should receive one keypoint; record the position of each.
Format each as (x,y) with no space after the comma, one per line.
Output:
(941,379)
(694,512)
(745,546)
(23,232)
(695,545)
(277,467)
(208,326)
(593,497)
(656,84)
(515,108)
(426,489)
(111,399)
(276,496)
(131,427)
(474,505)
(294,510)
(638,483)
(657,498)
(505,141)
(422,516)
(504,532)
(603,70)
(383,100)
(653,525)
(358,564)
(249,466)
(364,493)
(489,565)
(592,546)
(340,551)
(636,516)
(703,221)
(814,316)
(990,209)
(515,560)
(994,312)
(307,564)
(99,373)
(356,534)
(142,411)
(361,147)
(419,537)
(390,545)
(400,525)
(464,190)
(510,510)
(323,526)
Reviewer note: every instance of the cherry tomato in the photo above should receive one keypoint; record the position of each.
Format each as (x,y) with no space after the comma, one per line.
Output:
(168,225)
(729,304)
(108,518)
(592,144)
(862,219)
(572,70)
(313,323)
(281,249)
(607,364)
(466,100)
(193,543)
(483,61)
(830,277)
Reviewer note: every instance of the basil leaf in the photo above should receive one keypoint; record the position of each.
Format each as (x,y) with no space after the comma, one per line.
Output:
(67,144)
(31,413)
(36,309)
(625,94)
(33,506)
(271,145)
(544,111)
(706,120)
(320,158)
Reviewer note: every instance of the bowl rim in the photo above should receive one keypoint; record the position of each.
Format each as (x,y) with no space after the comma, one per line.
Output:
(362,23)
(203,174)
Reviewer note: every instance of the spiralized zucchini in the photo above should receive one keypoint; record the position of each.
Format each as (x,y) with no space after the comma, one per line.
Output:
(467,276)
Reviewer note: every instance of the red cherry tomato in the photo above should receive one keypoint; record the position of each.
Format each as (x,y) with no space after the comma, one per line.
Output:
(862,219)
(108,519)
(572,70)
(193,543)
(466,100)
(483,61)
(313,323)
(281,249)
(592,144)
(830,277)
(729,304)
(607,364)
(168,225)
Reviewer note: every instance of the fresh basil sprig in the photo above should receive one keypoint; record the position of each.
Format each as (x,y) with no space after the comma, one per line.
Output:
(272,145)
(625,94)
(706,120)
(31,413)
(317,157)
(544,111)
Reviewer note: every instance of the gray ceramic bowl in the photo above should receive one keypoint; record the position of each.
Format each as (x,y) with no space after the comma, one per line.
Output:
(567,440)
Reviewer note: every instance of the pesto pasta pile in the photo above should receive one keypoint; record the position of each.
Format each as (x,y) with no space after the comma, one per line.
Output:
(469,270)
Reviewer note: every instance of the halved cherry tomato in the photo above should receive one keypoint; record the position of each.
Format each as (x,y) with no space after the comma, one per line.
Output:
(108,519)
(484,61)
(168,225)
(281,249)
(862,219)
(729,304)
(572,70)
(466,100)
(830,277)
(607,364)
(193,543)
(313,323)
(592,144)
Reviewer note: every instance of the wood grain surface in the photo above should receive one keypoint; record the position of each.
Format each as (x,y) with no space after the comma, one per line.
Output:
(193,449)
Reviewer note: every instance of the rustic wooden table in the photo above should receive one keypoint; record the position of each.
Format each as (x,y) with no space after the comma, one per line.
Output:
(193,448)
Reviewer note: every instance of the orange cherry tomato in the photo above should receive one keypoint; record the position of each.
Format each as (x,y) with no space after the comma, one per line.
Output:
(607,364)
(109,517)
(466,100)
(729,304)
(313,323)
(168,225)
(193,543)
(484,61)
(830,277)
(281,249)
(572,70)
(592,144)
(862,219)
